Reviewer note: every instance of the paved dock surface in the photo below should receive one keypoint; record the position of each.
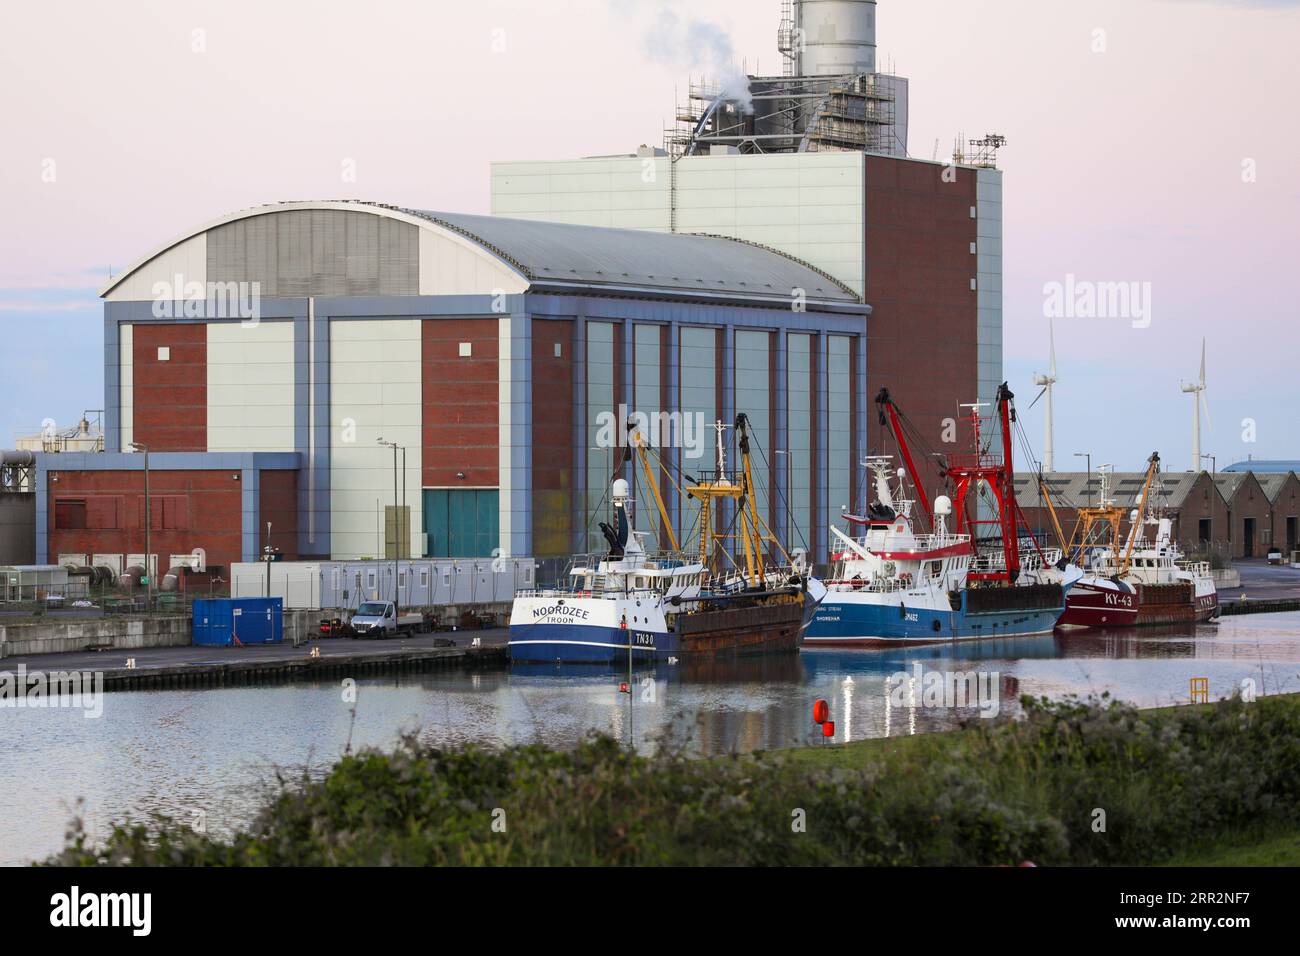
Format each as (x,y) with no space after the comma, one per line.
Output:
(217,666)
(1265,588)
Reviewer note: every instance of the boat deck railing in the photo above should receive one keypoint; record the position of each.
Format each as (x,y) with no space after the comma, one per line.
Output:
(650,561)
(933,542)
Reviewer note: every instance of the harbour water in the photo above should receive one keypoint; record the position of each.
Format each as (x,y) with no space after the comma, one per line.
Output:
(207,756)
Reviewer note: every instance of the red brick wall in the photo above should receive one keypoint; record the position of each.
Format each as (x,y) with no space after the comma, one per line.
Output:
(1286,505)
(188,510)
(921,335)
(460,403)
(552,399)
(1251,502)
(278,504)
(170,398)
(207,507)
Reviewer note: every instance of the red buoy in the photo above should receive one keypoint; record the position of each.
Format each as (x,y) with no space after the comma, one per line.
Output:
(828,729)
(821,711)
(623,688)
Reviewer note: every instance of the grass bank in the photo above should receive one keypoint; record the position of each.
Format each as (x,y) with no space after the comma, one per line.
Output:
(1071,783)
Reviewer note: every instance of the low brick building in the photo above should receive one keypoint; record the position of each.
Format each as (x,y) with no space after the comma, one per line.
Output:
(94,504)
(1283,493)
(1250,516)
(1193,500)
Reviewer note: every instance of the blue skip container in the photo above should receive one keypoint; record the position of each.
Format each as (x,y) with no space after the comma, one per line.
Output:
(223,622)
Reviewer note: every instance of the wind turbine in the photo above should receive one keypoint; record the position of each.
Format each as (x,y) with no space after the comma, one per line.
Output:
(1197,391)
(1047,381)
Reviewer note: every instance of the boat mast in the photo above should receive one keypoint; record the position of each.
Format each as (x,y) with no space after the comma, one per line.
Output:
(750,523)
(636,440)
(1153,465)
(1010,539)
(705,490)
(887,408)
(969,471)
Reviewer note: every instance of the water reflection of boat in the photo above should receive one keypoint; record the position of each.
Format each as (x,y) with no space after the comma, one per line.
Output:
(771,669)
(1127,643)
(764,669)
(821,662)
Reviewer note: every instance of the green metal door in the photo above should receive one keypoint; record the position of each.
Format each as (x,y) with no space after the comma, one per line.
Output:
(461,522)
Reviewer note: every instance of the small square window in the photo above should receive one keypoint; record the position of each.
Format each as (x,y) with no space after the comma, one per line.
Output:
(466,350)
(972,248)
(164,353)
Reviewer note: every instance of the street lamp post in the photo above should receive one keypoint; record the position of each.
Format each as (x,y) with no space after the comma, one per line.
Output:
(405,535)
(148,527)
(397,547)
(268,555)
(1214,463)
(1087,455)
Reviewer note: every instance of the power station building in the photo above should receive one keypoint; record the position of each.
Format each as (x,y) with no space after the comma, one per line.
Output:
(781,257)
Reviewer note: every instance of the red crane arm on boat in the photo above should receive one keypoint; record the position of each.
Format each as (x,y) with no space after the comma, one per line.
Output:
(884,401)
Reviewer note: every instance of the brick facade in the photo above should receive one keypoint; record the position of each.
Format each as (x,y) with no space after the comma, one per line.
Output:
(922,335)
(461,403)
(103,512)
(171,392)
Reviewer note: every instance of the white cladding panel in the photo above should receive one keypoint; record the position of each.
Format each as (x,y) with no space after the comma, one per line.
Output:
(375,393)
(452,265)
(807,205)
(988,268)
(188,259)
(126,380)
(250,386)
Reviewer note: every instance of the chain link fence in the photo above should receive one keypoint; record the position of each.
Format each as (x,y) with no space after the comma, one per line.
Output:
(77,599)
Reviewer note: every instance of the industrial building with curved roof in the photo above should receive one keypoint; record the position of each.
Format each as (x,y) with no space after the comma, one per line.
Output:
(263,357)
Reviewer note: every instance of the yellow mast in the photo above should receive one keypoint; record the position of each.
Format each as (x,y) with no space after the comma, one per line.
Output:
(753,531)
(1153,465)
(639,444)
(705,491)
(752,523)
(1051,511)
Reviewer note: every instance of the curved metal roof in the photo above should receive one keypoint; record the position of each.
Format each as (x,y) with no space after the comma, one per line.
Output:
(560,253)
(563,256)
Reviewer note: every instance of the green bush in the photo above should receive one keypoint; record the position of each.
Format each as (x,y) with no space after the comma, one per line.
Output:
(993,794)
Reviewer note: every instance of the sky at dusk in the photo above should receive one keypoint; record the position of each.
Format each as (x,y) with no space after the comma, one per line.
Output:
(1153,142)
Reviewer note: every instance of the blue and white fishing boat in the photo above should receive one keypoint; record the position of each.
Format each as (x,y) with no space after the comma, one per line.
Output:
(612,600)
(894,585)
(646,605)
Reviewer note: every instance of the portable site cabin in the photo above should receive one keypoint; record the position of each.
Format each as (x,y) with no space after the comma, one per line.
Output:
(344,585)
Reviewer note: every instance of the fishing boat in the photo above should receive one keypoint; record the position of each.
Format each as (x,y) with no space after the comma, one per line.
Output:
(636,603)
(895,584)
(1130,581)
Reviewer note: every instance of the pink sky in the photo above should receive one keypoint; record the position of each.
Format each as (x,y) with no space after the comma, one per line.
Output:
(1122,165)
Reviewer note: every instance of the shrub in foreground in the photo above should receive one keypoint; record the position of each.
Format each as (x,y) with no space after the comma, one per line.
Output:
(993,794)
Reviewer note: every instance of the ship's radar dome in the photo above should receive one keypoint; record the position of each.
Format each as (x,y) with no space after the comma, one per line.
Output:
(943,506)
(620,488)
